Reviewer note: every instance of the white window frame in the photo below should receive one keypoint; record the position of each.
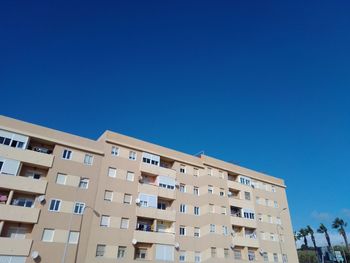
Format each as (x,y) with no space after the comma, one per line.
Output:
(132,155)
(65,178)
(81,208)
(65,153)
(59,205)
(84,181)
(114,175)
(52,235)
(106,199)
(115,151)
(130,176)
(105,221)
(75,239)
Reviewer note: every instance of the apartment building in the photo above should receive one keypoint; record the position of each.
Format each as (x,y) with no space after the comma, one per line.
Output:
(65,198)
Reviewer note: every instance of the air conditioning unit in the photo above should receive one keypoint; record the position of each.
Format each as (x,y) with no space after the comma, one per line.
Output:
(137,201)
(134,241)
(41,199)
(35,255)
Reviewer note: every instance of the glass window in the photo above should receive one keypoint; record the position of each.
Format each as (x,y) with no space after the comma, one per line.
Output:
(182,256)
(67,154)
(130,176)
(182,208)
(212,228)
(48,235)
(195,190)
(115,151)
(84,183)
(196,210)
(127,199)
(124,223)
(275,257)
(210,189)
(182,231)
(132,155)
(266,257)
(182,169)
(197,257)
(61,179)
(222,192)
(55,205)
(196,232)
(213,252)
(226,253)
(79,208)
(237,254)
(195,172)
(112,172)
(105,221)
(251,255)
(121,252)
(247,195)
(140,253)
(73,237)
(88,159)
(182,188)
(100,250)
(108,195)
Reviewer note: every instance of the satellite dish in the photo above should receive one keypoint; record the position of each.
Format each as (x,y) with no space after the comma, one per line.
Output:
(134,241)
(177,245)
(35,255)
(41,198)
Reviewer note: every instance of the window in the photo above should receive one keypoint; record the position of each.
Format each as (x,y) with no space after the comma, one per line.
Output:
(182,208)
(84,183)
(273,189)
(127,199)
(237,254)
(124,223)
(182,231)
(182,169)
(182,256)
(196,210)
(100,250)
(278,221)
(210,171)
(151,159)
(79,208)
(222,192)
(223,210)
(164,253)
(132,155)
(213,252)
(67,154)
(1,164)
(226,253)
(196,232)
(195,190)
(266,257)
(262,235)
(195,172)
(115,151)
(197,257)
(61,179)
(211,208)
(112,172)
(55,205)
(73,237)
(248,215)
(140,253)
(221,174)
(108,195)
(48,235)
(267,202)
(284,258)
(257,199)
(260,217)
(210,189)
(224,230)
(88,159)
(247,195)
(275,257)
(212,228)
(161,205)
(121,252)
(182,188)
(33,175)
(275,204)
(130,176)
(251,255)
(105,220)
(245,180)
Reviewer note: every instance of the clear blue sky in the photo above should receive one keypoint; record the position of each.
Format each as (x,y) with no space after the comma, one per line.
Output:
(264,84)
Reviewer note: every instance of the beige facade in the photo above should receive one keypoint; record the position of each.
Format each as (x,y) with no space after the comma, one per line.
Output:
(65,198)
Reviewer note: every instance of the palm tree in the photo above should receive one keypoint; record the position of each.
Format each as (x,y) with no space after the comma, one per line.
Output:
(311,233)
(323,230)
(340,225)
(303,234)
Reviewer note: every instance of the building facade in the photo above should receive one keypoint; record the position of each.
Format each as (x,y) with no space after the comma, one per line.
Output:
(65,198)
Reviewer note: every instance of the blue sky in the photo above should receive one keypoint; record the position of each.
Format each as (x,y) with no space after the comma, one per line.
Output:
(264,84)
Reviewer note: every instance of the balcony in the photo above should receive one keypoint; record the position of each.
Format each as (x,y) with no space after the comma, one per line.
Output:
(149,212)
(241,202)
(245,241)
(157,170)
(15,247)
(24,184)
(19,214)
(241,221)
(238,185)
(154,237)
(27,156)
(156,190)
